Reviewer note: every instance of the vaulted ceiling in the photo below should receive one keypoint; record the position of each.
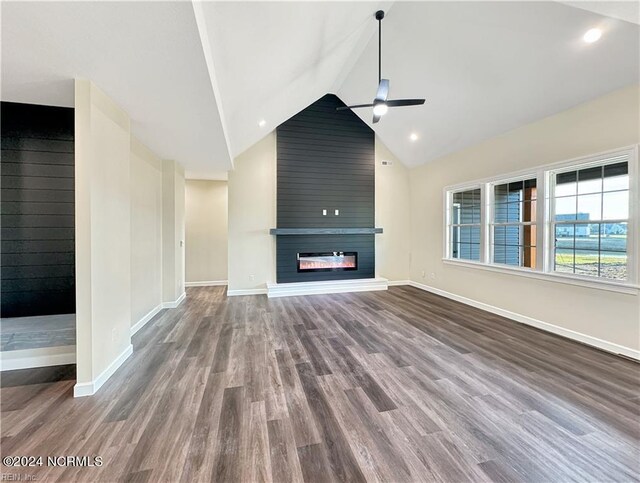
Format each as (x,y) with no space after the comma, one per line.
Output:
(204,81)
(486,68)
(275,58)
(147,56)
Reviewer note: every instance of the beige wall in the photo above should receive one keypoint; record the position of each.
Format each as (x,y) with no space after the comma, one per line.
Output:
(123,194)
(103,249)
(393,209)
(252,211)
(206,230)
(606,123)
(179,231)
(146,231)
(173,255)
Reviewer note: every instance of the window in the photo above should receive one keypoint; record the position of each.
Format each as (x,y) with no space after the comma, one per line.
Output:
(464,224)
(574,221)
(513,226)
(590,220)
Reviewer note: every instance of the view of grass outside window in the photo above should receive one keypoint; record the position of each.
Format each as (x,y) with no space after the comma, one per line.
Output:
(590,220)
(464,224)
(586,211)
(514,223)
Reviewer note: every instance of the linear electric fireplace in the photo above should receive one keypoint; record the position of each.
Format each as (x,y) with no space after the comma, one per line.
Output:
(327,261)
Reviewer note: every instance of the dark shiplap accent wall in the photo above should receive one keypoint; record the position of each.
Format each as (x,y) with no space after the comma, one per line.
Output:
(326,160)
(37,217)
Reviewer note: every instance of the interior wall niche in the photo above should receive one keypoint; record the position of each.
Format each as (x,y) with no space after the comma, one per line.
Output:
(325,179)
(37,217)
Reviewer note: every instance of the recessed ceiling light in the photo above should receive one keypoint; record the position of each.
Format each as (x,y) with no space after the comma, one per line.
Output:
(380,109)
(592,35)
(413,136)
(262,123)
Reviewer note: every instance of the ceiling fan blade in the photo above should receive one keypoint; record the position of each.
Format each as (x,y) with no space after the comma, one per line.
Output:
(404,102)
(383,90)
(356,106)
(376,118)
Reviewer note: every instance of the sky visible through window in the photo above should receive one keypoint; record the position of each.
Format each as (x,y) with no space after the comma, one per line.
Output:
(588,221)
(591,212)
(615,202)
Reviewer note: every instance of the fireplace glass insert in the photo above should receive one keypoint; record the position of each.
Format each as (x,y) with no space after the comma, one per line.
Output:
(327,261)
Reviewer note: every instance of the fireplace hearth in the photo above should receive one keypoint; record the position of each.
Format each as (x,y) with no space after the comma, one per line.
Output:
(327,261)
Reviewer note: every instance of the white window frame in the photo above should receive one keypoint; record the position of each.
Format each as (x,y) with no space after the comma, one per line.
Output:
(544,237)
(588,162)
(448,203)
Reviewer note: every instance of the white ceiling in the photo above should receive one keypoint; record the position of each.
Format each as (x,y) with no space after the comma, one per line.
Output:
(486,68)
(147,56)
(628,10)
(275,58)
(196,85)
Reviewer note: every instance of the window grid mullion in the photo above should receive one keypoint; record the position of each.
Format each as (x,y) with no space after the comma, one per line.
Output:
(587,252)
(466,206)
(581,243)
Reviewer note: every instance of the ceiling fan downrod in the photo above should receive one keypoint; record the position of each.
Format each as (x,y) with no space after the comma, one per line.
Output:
(379,17)
(380,103)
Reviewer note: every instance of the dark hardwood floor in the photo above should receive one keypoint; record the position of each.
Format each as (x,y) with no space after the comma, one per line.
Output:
(383,386)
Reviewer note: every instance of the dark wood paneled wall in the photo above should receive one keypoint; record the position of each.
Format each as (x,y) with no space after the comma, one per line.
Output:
(326,160)
(37,217)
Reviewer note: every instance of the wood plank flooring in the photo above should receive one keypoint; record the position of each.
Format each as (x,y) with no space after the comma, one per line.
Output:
(392,386)
(19,333)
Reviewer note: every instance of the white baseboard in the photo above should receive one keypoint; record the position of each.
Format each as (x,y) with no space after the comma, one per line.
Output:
(143,321)
(246,291)
(333,286)
(554,329)
(396,283)
(40,357)
(211,283)
(90,388)
(173,305)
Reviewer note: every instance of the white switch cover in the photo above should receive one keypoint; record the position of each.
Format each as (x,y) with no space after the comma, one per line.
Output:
(337,212)
(324,212)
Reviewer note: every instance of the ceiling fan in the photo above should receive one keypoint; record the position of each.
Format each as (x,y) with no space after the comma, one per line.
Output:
(381,104)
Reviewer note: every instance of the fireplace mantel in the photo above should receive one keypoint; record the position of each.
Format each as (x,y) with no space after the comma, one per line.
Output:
(325,231)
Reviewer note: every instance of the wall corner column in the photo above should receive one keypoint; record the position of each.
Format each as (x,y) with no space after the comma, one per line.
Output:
(173,233)
(102,228)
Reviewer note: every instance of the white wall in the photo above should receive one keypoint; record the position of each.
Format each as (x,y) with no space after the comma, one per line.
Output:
(252,212)
(206,231)
(146,231)
(103,249)
(610,122)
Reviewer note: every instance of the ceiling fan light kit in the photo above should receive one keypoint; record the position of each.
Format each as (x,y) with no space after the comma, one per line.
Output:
(381,104)
(380,109)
